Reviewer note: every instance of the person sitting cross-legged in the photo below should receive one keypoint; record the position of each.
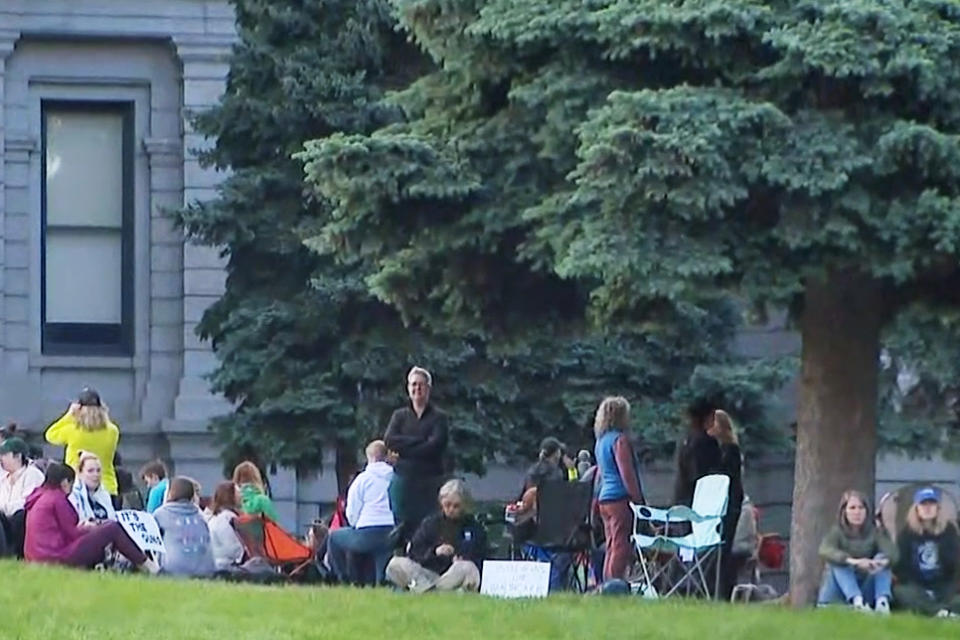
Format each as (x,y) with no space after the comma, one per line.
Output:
(89,497)
(857,558)
(371,520)
(929,559)
(447,549)
(186,536)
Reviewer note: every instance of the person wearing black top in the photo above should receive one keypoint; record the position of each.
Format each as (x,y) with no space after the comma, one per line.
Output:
(418,435)
(448,549)
(699,454)
(547,467)
(928,562)
(731,464)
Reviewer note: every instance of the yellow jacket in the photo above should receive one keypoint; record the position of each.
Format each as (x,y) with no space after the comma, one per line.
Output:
(102,442)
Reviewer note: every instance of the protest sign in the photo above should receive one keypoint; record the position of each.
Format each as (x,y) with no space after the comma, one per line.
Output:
(142,529)
(510,579)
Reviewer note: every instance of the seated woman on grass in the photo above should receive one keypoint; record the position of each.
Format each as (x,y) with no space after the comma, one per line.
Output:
(224,541)
(857,557)
(18,480)
(186,536)
(447,549)
(927,566)
(56,535)
(253,494)
(89,497)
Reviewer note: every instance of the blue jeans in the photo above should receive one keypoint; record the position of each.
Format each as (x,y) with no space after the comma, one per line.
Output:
(346,543)
(841,584)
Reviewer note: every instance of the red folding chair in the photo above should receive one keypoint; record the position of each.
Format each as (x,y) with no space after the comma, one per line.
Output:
(263,538)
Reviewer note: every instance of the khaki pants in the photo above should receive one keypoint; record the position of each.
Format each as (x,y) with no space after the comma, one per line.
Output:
(407,574)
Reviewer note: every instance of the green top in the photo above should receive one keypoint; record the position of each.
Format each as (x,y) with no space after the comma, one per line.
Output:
(255,502)
(837,546)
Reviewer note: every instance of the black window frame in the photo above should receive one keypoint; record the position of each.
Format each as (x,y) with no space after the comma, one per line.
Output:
(90,339)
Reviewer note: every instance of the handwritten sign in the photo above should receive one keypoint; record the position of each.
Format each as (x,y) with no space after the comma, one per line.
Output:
(142,529)
(509,579)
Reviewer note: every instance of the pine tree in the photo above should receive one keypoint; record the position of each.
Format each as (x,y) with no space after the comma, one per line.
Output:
(314,357)
(645,158)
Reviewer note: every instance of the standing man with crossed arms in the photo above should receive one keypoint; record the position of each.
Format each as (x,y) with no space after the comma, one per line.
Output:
(418,434)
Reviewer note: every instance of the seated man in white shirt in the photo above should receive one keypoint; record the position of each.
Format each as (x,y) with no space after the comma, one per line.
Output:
(370,517)
(19,480)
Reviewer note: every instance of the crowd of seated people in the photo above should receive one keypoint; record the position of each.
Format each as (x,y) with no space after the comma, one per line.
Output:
(865,570)
(66,513)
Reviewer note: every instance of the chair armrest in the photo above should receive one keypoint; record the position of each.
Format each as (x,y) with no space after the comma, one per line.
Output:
(654,514)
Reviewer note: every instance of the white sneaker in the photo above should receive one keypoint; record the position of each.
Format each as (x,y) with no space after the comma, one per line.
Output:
(150,567)
(882,607)
(943,613)
(858,605)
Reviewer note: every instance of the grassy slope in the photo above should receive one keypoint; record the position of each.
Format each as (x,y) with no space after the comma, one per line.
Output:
(51,603)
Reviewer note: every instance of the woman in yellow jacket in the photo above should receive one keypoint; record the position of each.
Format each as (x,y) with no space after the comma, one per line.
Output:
(86,426)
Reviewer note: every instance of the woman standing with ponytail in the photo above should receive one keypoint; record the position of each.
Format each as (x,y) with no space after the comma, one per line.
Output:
(619,483)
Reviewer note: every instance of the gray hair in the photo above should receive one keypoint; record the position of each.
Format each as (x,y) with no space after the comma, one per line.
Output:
(458,488)
(420,371)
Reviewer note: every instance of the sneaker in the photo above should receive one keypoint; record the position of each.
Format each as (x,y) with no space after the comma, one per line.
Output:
(150,567)
(858,605)
(882,607)
(420,586)
(943,613)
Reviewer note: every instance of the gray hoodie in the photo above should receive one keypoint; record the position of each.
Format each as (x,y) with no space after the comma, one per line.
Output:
(186,538)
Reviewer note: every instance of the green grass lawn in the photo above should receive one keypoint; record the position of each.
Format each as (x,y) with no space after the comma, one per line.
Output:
(42,603)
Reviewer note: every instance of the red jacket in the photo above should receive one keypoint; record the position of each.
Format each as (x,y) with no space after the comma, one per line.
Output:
(51,529)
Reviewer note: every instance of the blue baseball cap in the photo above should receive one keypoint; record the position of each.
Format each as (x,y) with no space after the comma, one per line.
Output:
(927,494)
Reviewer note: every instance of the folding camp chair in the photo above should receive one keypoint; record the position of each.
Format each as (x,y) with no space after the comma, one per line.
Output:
(263,538)
(671,563)
(562,533)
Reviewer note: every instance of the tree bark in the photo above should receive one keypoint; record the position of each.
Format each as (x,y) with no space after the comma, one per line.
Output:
(836,431)
(346,465)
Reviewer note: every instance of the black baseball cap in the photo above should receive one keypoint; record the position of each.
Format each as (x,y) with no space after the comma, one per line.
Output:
(89,398)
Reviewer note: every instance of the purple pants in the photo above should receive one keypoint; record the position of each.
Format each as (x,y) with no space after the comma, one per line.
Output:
(88,551)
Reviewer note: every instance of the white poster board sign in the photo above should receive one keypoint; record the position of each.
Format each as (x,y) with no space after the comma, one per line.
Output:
(142,529)
(515,579)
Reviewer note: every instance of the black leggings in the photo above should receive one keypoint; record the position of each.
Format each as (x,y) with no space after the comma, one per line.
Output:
(12,531)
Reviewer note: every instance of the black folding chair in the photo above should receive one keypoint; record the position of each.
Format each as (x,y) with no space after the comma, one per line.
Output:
(563,526)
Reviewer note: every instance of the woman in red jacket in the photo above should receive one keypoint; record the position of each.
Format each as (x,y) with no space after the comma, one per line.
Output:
(55,535)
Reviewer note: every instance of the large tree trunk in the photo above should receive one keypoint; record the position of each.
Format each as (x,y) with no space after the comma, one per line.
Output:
(346,465)
(837,431)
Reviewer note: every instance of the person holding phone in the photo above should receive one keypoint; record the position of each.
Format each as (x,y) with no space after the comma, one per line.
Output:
(89,497)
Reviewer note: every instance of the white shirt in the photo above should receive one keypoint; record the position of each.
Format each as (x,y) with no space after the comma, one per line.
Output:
(368,500)
(224,541)
(16,486)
